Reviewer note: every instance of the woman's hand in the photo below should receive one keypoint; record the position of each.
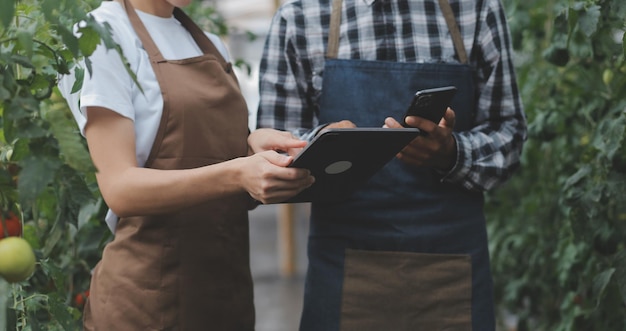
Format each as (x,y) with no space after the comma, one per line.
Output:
(435,149)
(267,179)
(274,140)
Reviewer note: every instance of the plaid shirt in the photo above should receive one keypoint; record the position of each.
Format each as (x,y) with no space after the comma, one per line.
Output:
(405,31)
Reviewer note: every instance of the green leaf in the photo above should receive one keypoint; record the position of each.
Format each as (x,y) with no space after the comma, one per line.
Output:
(79,76)
(30,235)
(37,173)
(25,42)
(71,146)
(31,129)
(575,178)
(600,283)
(61,313)
(589,19)
(48,8)
(22,60)
(70,40)
(609,136)
(4,93)
(7,11)
(624,43)
(22,108)
(620,273)
(53,237)
(88,40)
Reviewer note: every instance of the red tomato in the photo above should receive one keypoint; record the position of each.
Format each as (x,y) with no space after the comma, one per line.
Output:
(81,298)
(12,223)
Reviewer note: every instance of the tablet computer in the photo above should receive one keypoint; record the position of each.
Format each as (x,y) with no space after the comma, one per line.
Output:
(341,160)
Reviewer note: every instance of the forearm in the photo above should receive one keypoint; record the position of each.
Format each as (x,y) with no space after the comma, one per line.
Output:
(144,191)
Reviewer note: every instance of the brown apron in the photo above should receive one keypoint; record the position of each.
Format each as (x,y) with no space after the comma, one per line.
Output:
(187,270)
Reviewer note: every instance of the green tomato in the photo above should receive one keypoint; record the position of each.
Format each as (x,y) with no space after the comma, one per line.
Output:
(17,260)
(607,76)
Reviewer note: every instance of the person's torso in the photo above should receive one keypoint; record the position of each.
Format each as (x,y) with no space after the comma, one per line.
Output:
(174,42)
(403,31)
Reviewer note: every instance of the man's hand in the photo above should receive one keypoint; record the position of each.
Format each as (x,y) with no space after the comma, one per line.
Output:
(437,148)
(339,125)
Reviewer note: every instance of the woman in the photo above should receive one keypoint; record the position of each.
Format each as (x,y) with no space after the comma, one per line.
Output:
(171,154)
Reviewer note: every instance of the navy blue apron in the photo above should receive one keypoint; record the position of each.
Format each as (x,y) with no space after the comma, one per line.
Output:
(406,252)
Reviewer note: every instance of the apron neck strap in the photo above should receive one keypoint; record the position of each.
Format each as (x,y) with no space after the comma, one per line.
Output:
(455,32)
(198,35)
(333,33)
(142,33)
(444,5)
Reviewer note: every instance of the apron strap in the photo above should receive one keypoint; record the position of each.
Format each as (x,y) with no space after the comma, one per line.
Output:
(444,5)
(455,32)
(142,32)
(333,33)
(198,35)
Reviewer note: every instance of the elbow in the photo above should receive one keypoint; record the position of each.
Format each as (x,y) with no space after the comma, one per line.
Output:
(119,208)
(116,201)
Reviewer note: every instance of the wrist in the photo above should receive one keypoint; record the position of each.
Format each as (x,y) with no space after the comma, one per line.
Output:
(449,155)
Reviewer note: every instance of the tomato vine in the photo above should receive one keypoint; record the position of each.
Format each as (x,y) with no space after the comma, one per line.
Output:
(558,228)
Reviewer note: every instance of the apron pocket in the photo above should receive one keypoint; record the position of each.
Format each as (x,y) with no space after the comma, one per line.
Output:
(406,291)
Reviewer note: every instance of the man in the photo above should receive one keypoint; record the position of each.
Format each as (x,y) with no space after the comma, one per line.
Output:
(408,251)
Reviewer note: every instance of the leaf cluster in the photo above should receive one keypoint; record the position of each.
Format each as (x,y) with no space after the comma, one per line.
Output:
(558,228)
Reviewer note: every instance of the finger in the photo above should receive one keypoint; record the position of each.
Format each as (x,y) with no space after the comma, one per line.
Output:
(290,143)
(390,122)
(341,124)
(276,158)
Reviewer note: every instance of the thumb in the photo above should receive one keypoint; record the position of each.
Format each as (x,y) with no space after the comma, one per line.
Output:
(275,158)
(449,118)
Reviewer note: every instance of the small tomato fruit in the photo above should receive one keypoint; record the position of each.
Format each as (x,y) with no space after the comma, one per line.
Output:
(17,259)
(81,298)
(12,225)
(607,77)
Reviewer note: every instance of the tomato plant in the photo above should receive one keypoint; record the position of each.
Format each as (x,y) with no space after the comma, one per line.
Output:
(558,228)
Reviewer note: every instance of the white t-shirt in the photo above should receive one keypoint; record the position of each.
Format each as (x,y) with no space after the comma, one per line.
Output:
(110,86)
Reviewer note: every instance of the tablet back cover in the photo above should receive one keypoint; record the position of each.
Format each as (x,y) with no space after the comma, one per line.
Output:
(341,160)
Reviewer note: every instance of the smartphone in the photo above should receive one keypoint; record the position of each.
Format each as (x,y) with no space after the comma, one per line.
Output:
(430,104)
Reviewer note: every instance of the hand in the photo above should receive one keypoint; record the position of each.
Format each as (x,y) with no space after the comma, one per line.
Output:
(435,149)
(269,139)
(267,179)
(339,125)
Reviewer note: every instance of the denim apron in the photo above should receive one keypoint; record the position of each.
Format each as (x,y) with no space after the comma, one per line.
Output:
(406,252)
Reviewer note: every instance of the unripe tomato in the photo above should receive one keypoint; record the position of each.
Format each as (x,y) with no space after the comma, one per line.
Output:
(10,226)
(17,259)
(607,76)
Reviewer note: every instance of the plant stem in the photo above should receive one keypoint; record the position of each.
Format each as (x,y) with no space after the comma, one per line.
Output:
(4,298)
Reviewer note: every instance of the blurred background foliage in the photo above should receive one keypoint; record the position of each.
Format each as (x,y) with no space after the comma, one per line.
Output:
(557,227)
